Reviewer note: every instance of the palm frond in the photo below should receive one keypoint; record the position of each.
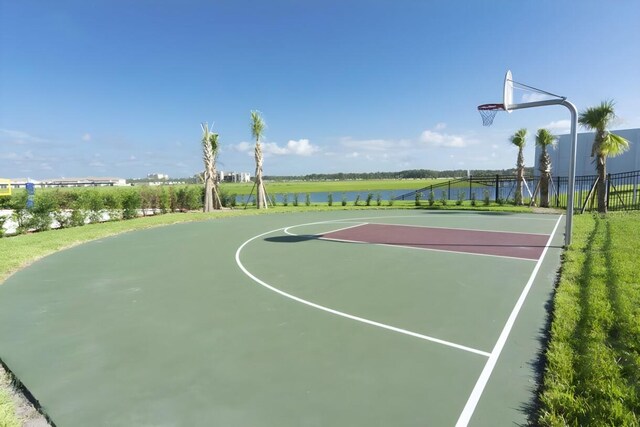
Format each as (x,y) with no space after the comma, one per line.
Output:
(519,138)
(544,138)
(257,125)
(613,145)
(213,140)
(598,118)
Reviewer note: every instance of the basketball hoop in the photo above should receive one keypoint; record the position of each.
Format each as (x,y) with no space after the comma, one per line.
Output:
(488,112)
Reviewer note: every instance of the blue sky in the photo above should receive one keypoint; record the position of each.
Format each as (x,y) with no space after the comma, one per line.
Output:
(119,88)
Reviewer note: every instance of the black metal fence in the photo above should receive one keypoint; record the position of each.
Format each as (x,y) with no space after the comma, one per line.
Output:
(623,190)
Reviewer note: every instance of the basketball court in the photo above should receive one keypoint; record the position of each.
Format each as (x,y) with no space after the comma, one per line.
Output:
(405,318)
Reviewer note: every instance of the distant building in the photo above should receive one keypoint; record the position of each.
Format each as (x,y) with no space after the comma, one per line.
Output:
(70,182)
(235,177)
(560,156)
(158,176)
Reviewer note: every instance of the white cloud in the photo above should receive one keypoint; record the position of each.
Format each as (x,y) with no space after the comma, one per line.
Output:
(558,126)
(19,137)
(437,139)
(273,148)
(243,147)
(86,137)
(374,144)
(441,126)
(96,164)
(301,147)
(9,156)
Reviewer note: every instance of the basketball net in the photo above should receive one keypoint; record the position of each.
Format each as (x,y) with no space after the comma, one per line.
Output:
(488,112)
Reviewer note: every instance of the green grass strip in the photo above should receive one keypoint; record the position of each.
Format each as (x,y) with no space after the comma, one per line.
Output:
(276,187)
(8,417)
(592,375)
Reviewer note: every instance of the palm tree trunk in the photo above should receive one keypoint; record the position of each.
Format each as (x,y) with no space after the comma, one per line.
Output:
(261,201)
(217,204)
(601,187)
(519,177)
(545,177)
(208,184)
(544,190)
(208,203)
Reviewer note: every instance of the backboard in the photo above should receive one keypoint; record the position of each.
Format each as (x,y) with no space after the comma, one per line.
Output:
(508,91)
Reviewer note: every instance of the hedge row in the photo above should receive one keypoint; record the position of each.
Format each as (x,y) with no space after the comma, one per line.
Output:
(77,206)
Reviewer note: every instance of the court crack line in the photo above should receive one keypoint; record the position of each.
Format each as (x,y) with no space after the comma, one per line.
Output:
(340,313)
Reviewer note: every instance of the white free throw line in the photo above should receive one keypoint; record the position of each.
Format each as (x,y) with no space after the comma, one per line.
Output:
(340,313)
(472,402)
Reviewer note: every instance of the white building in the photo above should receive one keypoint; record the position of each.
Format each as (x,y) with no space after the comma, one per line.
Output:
(70,182)
(235,177)
(627,162)
(158,176)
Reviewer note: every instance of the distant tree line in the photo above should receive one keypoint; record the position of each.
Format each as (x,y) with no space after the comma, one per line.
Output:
(406,174)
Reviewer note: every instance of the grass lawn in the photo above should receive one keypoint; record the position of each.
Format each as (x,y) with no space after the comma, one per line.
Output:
(592,375)
(337,187)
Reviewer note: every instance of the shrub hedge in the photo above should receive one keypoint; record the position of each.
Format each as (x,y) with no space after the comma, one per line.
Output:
(73,207)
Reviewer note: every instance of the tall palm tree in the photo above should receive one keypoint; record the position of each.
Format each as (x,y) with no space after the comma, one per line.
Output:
(605,143)
(519,140)
(209,151)
(213,141)
(257,129)
(544,139)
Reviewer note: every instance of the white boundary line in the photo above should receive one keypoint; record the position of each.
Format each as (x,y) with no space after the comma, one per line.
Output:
(472,402)
(342,314)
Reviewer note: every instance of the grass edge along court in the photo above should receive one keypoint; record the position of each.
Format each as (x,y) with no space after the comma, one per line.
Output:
(560,405)
(592,373)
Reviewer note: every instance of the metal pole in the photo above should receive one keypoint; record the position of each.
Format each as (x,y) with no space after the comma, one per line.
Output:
(572,171)
(572,162)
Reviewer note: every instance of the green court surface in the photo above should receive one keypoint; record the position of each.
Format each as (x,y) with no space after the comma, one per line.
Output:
(257,321)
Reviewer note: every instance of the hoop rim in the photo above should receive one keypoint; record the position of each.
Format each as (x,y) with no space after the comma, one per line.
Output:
(492,107)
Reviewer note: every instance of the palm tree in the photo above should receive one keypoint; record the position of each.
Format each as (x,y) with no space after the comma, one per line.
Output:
(213,141)
(519,140)
(544,139)
(257,129)
(209,151)
(605,143)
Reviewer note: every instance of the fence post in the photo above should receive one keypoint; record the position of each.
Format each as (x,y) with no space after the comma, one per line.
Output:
(557,192)
(497,187)
(470,189)
(606,201)
(449,190)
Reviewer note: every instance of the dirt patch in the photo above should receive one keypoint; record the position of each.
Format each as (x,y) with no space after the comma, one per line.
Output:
(552,211)
(26,413)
